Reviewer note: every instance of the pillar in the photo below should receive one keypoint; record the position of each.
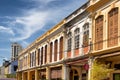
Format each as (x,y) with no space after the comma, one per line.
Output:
(65,72)
(36,74)
(22,75)
(47,73)
(28,73)
(90,68)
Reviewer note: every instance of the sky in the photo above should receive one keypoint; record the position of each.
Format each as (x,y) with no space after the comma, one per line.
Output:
(23,21)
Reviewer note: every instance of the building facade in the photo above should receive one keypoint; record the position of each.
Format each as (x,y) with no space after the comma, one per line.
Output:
(43,58)
(16,48)
(68,50)
(105,34)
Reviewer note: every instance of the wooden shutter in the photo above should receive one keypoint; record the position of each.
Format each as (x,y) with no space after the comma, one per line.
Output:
(51,45)
(55,50)
(99,33)
(42,55)
(61,48)
(113,27)
(45,53)
(86,35)
(38,56)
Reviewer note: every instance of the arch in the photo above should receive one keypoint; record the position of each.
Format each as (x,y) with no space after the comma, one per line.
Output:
(74,74)
(45,53)
(113,27)
(51,50)
(69,41)
(99,32)
(61,48)
(76,31)
(85,34)
(77,37)
(55,50)
(41,55)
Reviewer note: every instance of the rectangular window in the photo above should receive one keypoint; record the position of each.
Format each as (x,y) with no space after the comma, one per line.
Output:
(86,35)
(77,42)
(69,44)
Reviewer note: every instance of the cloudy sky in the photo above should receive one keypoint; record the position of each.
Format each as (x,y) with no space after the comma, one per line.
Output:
(23,21)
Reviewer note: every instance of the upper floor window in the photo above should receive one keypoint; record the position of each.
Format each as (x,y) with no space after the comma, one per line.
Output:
(61,48)
(99,32)
(69,41)
(38,56)
(77,36)
(86,35)
(113,27)
(55,50)
(51,50)
(45,53)
(41,55)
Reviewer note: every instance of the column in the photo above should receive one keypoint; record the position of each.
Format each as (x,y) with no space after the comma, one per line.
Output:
(80,75)
(22,75)
(28,73)
(36,74)
(65,72)
(48,52)
(47,73)
(90,68)
(18,76)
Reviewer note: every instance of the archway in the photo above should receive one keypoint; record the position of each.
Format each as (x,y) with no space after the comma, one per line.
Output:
(74,75)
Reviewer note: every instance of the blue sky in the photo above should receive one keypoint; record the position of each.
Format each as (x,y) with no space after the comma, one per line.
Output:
(23,21)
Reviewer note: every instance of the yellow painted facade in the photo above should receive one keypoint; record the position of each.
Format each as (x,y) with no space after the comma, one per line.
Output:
(48,57)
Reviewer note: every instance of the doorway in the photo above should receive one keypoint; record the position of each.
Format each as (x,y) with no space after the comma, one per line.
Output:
(116,76)
(74,75)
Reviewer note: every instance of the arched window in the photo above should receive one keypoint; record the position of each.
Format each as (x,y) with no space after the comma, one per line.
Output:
(51,47)
(55,50)
(45,53)
(69,41)
(41,55)
(61,48)
(77,36)
(99,32)
(113,27)
(86,35)
(38,56)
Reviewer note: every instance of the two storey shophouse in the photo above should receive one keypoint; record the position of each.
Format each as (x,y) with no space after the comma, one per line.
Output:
(43,58)
(67,50)
(77,41)
(105,15)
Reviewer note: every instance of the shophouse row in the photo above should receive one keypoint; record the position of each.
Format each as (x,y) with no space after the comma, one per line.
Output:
(68,50)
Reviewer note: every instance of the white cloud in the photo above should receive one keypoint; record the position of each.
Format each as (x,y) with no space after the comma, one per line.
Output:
(24,43)
(35,19)
(6,30)
(30,24)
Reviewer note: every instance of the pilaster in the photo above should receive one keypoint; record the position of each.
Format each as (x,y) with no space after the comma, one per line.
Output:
(47,73)
(36,74)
